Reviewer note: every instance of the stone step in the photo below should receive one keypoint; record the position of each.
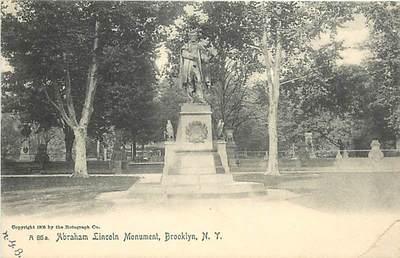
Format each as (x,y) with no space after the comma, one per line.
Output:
(197,179)
(235,189)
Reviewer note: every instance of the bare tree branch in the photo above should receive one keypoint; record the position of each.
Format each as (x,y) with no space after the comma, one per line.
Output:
(255,47)
(68,95)
(91,82)
(59,107)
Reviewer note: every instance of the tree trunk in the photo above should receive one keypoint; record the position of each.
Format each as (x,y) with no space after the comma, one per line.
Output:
(80,169)
(81,130)
(142,152)
(272,74)
(134,151)
(273,168)
(98,154)
(117,153)
(68,114)
(69,143)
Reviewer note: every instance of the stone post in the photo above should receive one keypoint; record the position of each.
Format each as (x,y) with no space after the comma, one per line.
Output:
(293,152)
(221,148)
(229,135)
(25,151)
(117,161)
(345,154)
(231,148)
(169,157)
(98,155)
(339,156)
(134,151)
(105,153)
(310,145)
(375,153)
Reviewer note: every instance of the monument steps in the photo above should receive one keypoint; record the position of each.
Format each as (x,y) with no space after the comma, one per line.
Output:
(197,179)
(195,165)
(219,169)
(235,189)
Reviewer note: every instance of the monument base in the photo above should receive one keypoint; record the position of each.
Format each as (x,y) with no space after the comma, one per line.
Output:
(194,165)
(204,190)
(197,179)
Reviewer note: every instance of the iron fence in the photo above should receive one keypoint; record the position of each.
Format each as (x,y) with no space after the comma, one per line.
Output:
(319,154)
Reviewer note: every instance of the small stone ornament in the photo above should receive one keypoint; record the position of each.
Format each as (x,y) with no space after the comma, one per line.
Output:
(339,155)
(375,154)
(169,131)
(345,154)
(220,130)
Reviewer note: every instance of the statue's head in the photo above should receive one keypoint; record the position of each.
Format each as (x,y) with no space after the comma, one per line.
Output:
(193,35)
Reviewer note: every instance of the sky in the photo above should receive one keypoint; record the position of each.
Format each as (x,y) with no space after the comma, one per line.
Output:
(353,34)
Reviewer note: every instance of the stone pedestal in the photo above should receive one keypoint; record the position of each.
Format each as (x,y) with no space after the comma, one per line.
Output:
(231,150)
(193,165)
(191,160)
(194,131)
(221,148)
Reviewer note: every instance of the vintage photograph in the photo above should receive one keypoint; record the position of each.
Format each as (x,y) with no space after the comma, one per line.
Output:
(200,129)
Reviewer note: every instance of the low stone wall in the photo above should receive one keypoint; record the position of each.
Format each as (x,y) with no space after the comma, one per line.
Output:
(63,167)
(144,168)
(260,165)
(53,167)
(387,164)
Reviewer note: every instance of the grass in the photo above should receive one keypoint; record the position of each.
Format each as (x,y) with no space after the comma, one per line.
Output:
(338,191)
(335,192)
(28,195)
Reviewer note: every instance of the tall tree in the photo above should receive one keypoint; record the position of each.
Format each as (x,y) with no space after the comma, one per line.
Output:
(49,41)
(384,66)
(232,66)
(62,46)
(32,106)
(281,32)
(129,74)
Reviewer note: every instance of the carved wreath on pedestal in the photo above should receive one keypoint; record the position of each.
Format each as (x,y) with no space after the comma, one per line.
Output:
(196,132)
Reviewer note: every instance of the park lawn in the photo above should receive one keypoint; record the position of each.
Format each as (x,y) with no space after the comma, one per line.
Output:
(349,192)
(353,192)
(60,194)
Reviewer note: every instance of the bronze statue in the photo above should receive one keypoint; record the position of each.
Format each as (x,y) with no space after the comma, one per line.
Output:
(193,68)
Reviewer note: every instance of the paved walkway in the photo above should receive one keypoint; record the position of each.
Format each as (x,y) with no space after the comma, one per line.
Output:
(249,227)
(328,216)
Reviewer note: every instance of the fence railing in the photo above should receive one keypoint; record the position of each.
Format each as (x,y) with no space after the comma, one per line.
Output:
(321,154)
(355,153)
(147,156)
(263,155)
(158,155)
